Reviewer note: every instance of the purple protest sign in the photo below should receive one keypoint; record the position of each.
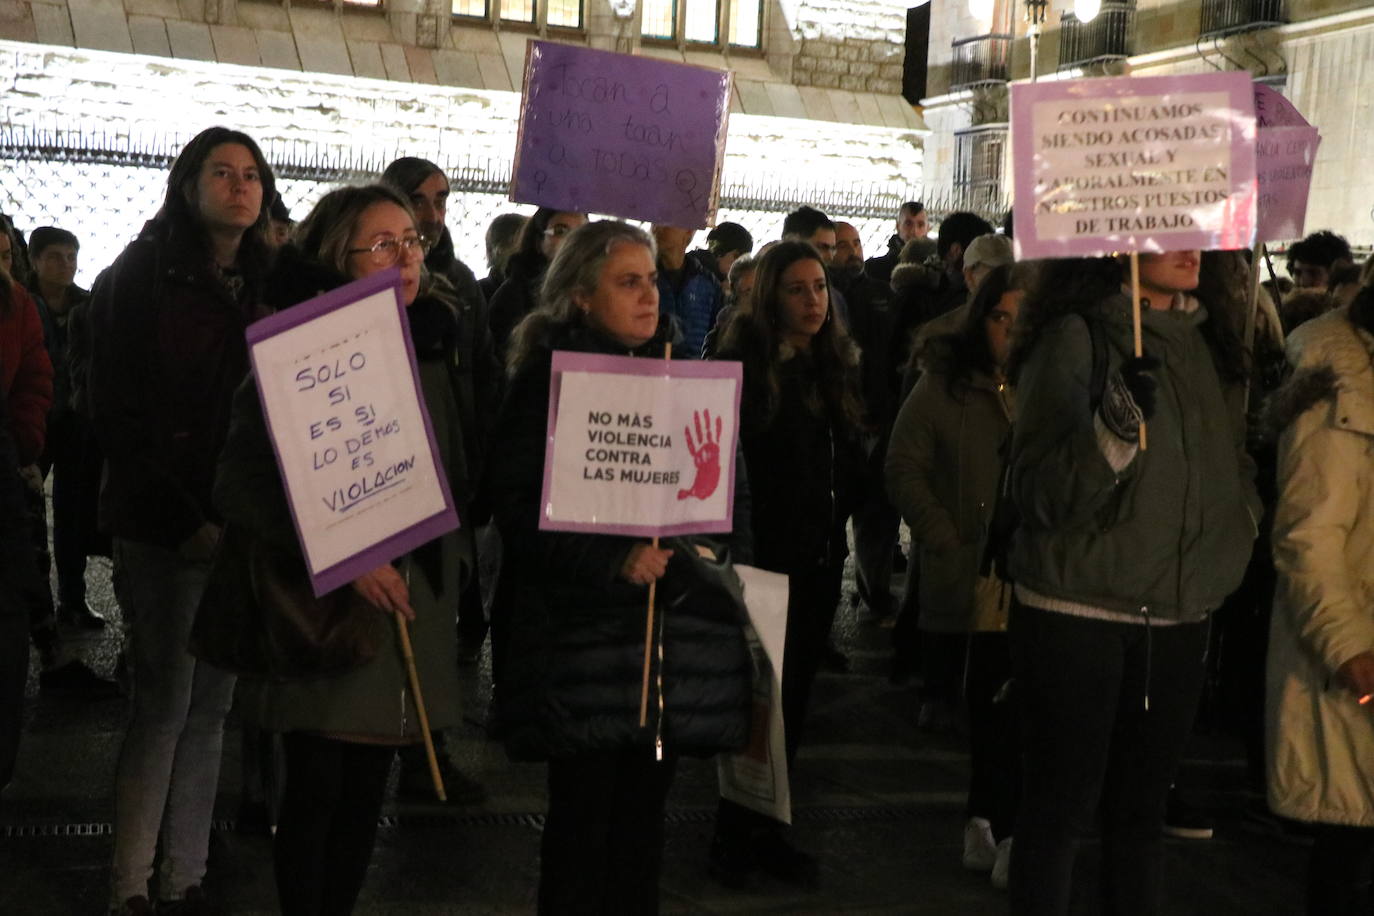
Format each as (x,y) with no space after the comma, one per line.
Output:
(340,390)
(1285,151)
(1122,164)
(641,447)
(634,137)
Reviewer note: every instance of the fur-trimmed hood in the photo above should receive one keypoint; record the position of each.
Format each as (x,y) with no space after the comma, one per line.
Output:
(1333,365)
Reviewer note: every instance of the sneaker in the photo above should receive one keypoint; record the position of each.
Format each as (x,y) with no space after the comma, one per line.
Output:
(779,858)
(134,906)
(980,849)
(1001,869)
(417,786)
(75,677)
(1186,821)
(191,903)
(80,616)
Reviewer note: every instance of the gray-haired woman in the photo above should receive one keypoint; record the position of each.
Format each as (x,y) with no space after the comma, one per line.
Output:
(571,629)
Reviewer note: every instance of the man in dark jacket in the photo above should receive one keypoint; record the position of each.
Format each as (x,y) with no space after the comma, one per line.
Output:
(912,223)
(870,320)
(478,389)
(687,291)
(70,451)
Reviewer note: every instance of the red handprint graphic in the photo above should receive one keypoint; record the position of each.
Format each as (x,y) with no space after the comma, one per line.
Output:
(705,451)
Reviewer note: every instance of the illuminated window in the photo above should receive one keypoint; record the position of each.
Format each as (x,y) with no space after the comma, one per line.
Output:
(660,19)
(517,10)
(746,23)
(699,21)
(477,9)
(566,14)
(372,3)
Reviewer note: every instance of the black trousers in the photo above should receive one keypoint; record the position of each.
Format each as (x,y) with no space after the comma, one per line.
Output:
(76,467)
(994,790)
(1092,748)
(329,810)
(875,537)
(603,838)
(1340,871)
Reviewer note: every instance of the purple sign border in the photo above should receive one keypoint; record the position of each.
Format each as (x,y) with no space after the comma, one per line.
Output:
(568,361)
(407,539)
(1236,84)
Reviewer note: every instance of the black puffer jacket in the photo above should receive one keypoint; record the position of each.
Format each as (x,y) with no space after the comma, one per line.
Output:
(572,632)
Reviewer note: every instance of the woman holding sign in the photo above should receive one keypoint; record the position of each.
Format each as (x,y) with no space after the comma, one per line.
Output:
(800,427)
(341,731)
(569,682)
(1121,554)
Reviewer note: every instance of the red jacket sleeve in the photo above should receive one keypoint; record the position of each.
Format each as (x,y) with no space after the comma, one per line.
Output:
(28,375)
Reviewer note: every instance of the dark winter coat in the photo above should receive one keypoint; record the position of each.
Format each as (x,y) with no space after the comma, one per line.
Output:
(167,350)
(943,467)
(1170,535)
(26,376)
(372,702)
(478,371)
(56,336)
(572,652)
(693,299)
(517,297)
(806,469)
(880,267)
(870,316)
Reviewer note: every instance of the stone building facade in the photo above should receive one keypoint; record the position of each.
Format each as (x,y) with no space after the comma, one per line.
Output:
(1320,53)
(346,85)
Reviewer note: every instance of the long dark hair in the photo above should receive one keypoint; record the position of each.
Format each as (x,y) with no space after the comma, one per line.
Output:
(1224,289)
(756,335)
(1067,286)
(960,354)
(16,275)
(180,217)
(528,260)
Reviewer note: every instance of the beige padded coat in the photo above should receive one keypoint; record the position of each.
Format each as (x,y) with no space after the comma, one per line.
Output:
(1320,740)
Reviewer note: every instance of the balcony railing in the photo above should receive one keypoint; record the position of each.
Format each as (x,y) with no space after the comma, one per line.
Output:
(1230,17)
(981,60)
(1109,36)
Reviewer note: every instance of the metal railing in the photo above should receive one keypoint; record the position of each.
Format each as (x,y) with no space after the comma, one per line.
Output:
(980,60)
(1230,17)
(1109,36)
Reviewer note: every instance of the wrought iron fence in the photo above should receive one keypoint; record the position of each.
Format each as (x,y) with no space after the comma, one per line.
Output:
(1229,17)
(105,186)
(981,60)
(1109,36)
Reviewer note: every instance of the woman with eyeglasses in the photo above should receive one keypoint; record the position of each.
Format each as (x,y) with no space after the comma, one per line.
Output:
(341,732)
(539,241)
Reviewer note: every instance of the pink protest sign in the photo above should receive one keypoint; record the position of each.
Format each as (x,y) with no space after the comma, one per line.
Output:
(1285,152)
(634,137)
(1152,163)
(643,447)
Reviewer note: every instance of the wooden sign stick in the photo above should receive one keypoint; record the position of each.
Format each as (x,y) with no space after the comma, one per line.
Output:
(649,624)
(1135,326)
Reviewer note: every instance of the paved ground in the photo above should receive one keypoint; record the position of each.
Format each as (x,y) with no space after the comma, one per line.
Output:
(879,801)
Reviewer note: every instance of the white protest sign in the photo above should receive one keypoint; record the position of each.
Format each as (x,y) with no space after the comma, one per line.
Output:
(340,391)
(642,447)
(756,777)
(1133,164)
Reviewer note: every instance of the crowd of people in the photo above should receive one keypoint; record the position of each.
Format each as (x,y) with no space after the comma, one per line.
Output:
(1078,513)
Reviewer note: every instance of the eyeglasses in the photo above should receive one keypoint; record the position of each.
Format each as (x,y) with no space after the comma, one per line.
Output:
(386,252)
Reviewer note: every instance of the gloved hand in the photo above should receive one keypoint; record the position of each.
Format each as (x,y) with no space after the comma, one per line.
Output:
(1130,397)
(1137,375)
